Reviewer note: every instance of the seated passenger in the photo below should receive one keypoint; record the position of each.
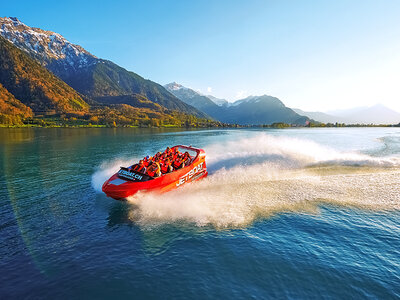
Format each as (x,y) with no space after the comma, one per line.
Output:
(166,167)
(154,170)
(158,156)
(171,157)
(178,163)
(176,156)
(147,160)
(175,150)
(139,167)
(167,151)
(186,159)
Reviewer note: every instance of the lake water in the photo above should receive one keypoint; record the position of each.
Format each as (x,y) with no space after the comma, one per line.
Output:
(297,213)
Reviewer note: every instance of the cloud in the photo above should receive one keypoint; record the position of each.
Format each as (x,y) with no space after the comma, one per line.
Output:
(241,94)
(209,89)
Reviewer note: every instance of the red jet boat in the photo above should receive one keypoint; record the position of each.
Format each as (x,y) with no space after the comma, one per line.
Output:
(127,182)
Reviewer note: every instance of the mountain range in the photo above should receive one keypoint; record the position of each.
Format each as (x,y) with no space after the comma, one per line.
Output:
(43,74)
(253,110)
(50,75)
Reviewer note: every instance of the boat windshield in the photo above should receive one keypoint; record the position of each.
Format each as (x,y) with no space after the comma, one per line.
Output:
(191,152)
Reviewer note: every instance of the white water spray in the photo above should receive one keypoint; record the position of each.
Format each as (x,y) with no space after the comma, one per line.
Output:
(261,176)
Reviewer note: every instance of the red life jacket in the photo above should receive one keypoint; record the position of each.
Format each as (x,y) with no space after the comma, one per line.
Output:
(146,161)
(177,163)
(152,171)
(165,167)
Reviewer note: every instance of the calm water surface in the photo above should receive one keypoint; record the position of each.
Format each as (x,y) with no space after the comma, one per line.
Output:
(298,213)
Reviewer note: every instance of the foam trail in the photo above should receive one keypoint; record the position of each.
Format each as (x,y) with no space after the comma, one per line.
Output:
(239,196)
(299,152)
(264,175)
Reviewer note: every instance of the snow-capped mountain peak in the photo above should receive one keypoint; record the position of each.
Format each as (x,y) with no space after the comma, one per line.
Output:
(16,21)
(174,86)
(47,46)
(218,101)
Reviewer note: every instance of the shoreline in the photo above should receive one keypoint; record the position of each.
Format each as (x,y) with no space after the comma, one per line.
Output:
(196,127)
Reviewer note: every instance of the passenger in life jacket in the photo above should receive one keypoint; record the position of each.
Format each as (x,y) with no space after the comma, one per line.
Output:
(174,151)
(162,158)
(147,160)
(140,168)
(170,155)
(178,162)
(176,155)
(186,159)
(167,151)
(157,157)
(154,169)
(166,167)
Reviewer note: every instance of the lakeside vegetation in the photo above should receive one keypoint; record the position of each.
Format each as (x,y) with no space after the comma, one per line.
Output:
(180,120)
(111,119)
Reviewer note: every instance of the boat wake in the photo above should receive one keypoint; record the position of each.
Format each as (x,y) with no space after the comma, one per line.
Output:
(265,175)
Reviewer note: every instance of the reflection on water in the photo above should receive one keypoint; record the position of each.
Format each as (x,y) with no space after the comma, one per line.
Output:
(16,135)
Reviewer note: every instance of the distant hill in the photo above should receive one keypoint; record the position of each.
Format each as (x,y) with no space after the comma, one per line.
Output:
(34,85)
(321,117)
(377,114)
(193,98)
(254,110)
(95,78)
(105,80)
(257,110)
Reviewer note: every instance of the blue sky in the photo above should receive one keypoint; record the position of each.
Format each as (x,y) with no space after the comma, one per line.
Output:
(314,55)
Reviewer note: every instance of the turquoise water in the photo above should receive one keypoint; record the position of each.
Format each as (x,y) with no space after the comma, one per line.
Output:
(298,213)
